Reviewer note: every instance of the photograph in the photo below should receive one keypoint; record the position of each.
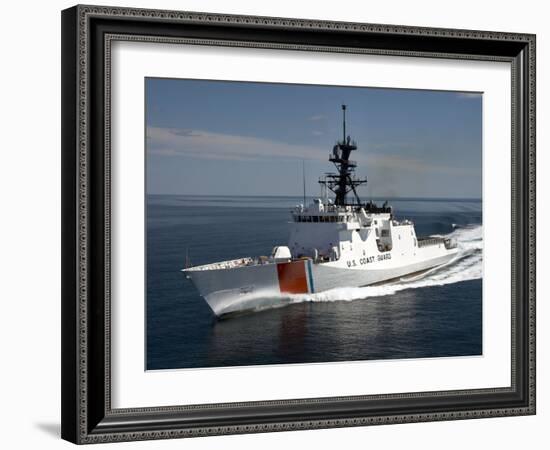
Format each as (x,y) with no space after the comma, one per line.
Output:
(300,224)
(294,219)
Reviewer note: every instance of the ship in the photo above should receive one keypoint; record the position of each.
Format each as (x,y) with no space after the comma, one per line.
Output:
(336,241)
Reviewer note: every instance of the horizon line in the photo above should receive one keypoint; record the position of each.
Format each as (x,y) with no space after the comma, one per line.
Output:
(373,197)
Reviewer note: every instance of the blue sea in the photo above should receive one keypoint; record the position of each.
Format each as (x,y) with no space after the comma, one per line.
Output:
(438,314)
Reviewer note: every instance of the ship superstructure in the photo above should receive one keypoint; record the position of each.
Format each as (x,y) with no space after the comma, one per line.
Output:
(333,242)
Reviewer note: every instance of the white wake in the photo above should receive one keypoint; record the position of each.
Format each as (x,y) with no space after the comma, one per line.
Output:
(467,265)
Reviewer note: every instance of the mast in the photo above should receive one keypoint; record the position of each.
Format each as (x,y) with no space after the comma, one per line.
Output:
(344,122)
(304,179)
(344,181)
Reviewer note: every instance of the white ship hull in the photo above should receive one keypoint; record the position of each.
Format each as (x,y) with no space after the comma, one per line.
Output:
(248,287)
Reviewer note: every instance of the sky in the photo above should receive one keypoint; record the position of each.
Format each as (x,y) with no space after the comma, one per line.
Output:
(243,138)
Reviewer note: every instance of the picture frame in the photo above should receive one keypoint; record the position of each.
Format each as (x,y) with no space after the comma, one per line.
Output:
(87,413)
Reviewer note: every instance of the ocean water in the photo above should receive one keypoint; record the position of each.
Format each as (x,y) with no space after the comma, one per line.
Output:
(437,314)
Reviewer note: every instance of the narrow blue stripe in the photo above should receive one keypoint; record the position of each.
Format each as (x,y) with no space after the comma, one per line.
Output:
(311,287)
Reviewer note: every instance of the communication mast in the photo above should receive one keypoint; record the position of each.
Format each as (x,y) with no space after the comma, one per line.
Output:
(344,181)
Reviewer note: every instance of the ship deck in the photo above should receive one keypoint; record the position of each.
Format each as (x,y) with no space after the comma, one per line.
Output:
(231,264)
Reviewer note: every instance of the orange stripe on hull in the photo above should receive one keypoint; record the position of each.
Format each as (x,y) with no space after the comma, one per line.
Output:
(293,277)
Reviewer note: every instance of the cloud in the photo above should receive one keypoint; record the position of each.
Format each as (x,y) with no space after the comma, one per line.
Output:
(466,95)
(317,117)
(317,133)
(403,145)
(401,163)
(209,145)
(178,132)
